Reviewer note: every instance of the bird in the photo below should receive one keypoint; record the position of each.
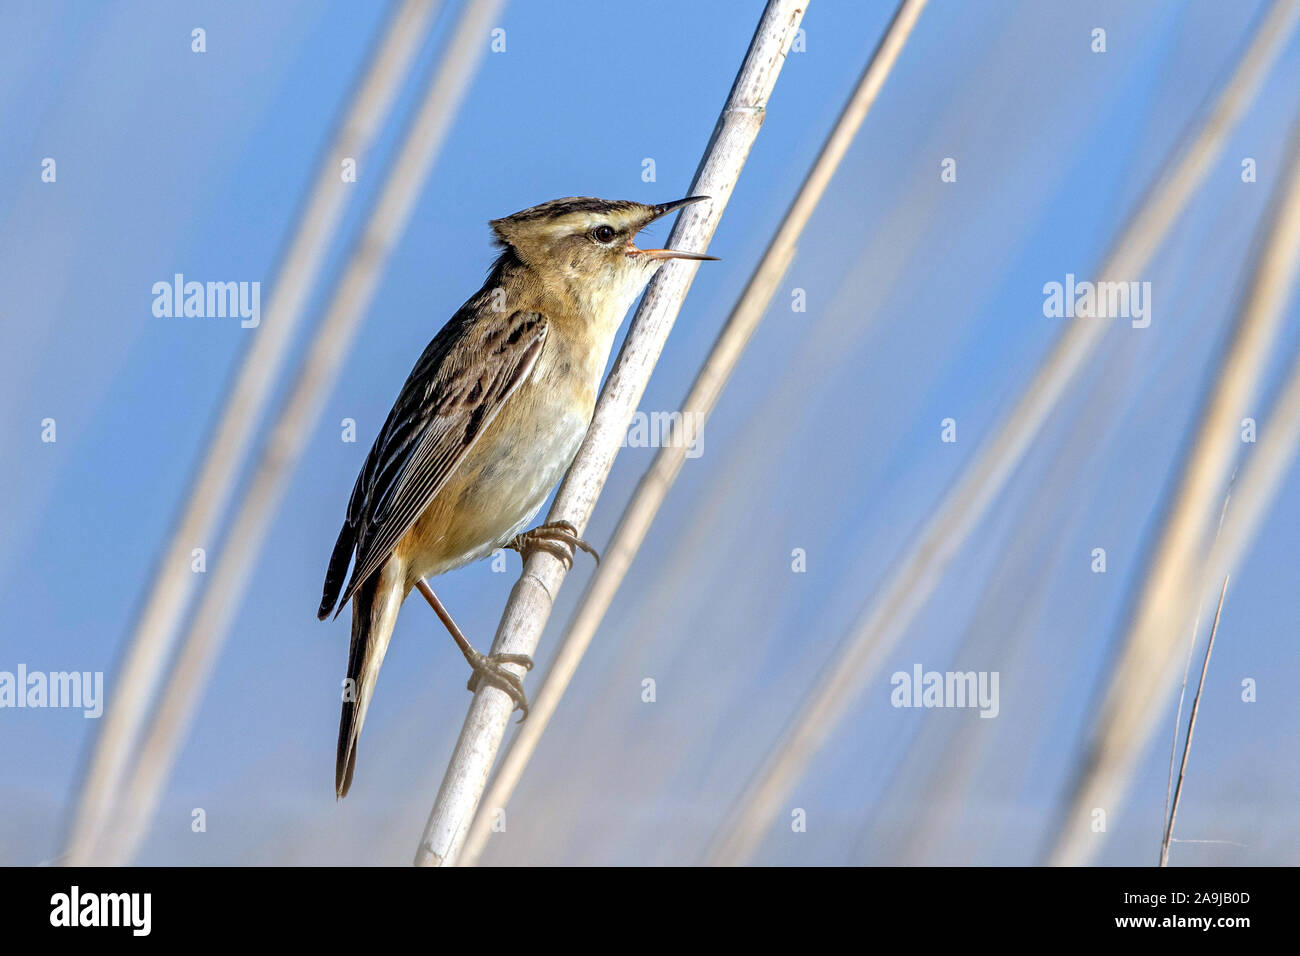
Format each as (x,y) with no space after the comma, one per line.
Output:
(485,425)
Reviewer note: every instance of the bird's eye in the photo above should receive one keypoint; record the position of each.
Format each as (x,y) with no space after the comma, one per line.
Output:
(604,234)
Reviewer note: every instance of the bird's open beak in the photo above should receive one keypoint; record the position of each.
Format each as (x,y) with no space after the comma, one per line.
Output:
(672,254)
(660,211)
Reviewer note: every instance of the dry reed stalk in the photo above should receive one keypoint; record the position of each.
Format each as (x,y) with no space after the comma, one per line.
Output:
(531,599)
(716,371)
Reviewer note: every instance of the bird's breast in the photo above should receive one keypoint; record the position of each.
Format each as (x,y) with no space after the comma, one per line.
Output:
(500,485)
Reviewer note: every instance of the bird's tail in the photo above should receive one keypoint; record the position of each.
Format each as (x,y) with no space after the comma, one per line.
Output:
(374,613)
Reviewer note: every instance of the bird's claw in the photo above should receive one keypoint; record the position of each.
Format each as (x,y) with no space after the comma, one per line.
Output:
(559,538)
(491,669)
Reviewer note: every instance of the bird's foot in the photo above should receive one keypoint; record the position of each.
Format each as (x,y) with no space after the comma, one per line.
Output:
(490,668)
(559,538)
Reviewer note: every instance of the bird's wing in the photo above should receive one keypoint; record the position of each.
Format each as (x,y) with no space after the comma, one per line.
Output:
(453,393)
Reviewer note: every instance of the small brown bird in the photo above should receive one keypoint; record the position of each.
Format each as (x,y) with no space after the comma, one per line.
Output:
(486,424)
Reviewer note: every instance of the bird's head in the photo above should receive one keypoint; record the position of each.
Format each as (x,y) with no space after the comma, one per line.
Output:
(582,240)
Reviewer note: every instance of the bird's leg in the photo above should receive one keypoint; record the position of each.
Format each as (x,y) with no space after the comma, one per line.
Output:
(555,537)
(482,664)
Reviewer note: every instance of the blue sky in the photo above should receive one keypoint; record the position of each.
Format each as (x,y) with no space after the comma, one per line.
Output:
(924,301)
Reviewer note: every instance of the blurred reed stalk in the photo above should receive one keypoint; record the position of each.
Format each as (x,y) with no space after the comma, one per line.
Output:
(531,599)
(154,637)
(423,142)
(1145,674)
(885,618)
(709,382)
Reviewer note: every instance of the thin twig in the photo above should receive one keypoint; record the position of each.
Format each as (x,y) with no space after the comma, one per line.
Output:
(1191,727)
(531,599)
(444,93)
(886,617)
(153,639)
(709,382)
(1178,719)
(1182,690)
